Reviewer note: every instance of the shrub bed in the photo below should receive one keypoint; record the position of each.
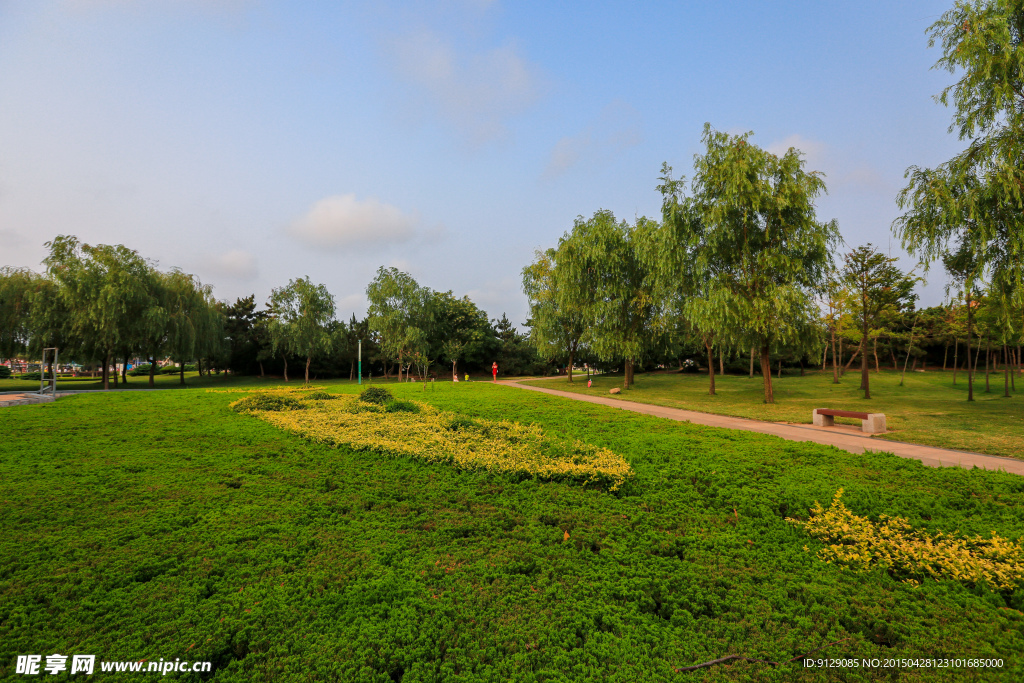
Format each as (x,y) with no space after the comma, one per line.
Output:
(422,431)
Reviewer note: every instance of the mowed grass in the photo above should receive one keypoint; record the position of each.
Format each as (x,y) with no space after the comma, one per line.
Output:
(927,410)
(141,382)
(164,525)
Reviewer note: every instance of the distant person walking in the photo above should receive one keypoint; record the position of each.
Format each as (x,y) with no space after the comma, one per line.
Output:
(494,370)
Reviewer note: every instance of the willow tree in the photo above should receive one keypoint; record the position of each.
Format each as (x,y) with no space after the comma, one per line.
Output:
(755,245)
(558,307)
(607,277)
(17,287)
(193,322)
(105,290)
(971,205)
(300,318)
(688,294)
(398,314)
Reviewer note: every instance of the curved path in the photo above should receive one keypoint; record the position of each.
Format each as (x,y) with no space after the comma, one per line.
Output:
(848,438)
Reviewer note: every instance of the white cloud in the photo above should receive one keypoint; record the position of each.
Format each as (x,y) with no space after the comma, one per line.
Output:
(476,92)
(814,152)
(236,264)
(839,169)
(343,221)
(617,128)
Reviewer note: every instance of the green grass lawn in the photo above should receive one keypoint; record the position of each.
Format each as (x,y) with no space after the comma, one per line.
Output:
(141,382)
(928,409)
(163,524)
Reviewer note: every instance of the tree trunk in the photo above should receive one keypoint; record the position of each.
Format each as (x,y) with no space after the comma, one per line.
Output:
(261,367)
(627,372)
(766,373)
(852,358)
(751,362)
(308,359)
(284,357)
(956,362)
(865,378)
(801,366)
(711,369)
(1013,380)
(721,360)
(945,355)
(352,370)
(152,372)
(780,368)
(835,366)
(970,371)
(571,354)
(842,370)
(124,370)
(181,372)
(1006,372)
(878,369)
(988,356)
(106,371)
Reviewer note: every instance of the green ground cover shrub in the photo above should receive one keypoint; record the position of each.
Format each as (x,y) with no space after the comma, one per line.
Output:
(266,402)
(319,395)
(401,407)
(205,534)
(174,369)
(378,395)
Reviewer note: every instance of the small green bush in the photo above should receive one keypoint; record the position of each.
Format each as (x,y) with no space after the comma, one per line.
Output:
(320,396)
(378,395)
(174,369)
(5,372)
(30,376)
(401,407)
(460,423)
(266,402)
(140,370)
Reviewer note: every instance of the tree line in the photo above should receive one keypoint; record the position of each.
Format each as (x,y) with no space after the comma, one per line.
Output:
(106,305)
(739,260)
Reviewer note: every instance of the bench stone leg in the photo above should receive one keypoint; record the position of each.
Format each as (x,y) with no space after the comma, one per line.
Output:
(875,424)
(822,420)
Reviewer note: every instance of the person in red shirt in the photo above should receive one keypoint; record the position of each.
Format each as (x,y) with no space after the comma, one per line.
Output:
(494,370)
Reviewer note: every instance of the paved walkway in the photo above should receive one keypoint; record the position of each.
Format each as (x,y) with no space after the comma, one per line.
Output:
(24,398)
(847,438)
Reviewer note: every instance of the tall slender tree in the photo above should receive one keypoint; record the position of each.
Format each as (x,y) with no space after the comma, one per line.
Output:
(558,312)
(302,312)
(758,244)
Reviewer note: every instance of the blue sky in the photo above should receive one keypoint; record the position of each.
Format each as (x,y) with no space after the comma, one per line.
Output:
(251,142)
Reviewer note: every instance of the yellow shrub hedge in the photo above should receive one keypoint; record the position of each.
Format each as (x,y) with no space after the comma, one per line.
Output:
(439,436)
(858,543)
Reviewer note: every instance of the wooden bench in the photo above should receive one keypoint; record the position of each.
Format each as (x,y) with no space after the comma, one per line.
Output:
(870,423)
